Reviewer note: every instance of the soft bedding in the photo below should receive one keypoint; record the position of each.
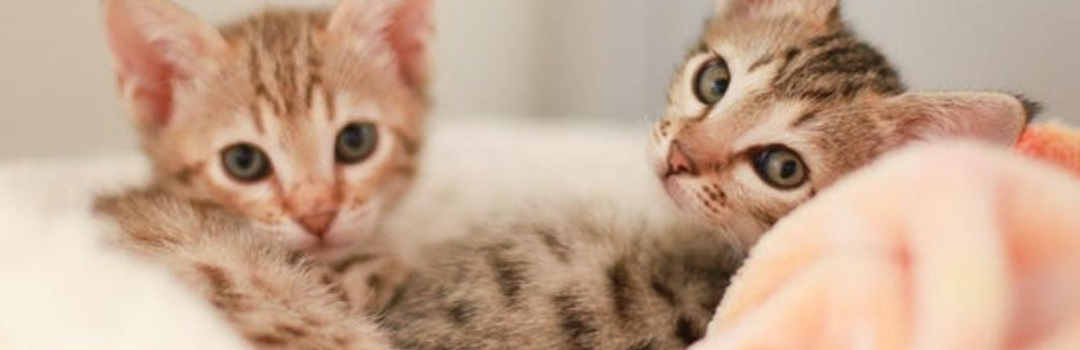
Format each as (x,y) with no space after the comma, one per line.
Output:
(954,246)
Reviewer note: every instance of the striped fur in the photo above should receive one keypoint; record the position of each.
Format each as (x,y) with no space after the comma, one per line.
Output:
(581,282)
(276,298)
(287,82)
(533,284)
(802,80)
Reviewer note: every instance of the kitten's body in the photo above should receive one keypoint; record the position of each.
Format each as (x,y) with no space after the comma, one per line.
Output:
(577,279)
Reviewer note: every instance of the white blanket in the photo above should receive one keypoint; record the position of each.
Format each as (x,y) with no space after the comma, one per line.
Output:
(60,288)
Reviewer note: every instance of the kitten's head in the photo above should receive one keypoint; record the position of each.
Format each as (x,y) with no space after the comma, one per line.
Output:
(780,100)
(307,122)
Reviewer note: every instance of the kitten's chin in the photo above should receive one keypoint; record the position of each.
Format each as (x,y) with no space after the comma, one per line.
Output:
(339,244)
(327,254)
(677,193)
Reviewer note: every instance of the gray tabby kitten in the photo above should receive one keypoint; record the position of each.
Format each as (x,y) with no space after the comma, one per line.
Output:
(778,102)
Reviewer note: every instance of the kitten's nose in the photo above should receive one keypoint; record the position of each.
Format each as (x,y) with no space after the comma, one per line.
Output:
(317,224)
(678,163)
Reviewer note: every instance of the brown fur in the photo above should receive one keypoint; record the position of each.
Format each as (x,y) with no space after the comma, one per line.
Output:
(579,284)
(801,80)
(277,299)
(286,82)
(569,282)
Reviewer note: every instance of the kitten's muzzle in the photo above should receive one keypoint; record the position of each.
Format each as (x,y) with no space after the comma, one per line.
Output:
(679,163)
(317,224)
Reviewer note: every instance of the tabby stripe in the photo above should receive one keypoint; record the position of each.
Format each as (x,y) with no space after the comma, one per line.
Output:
(578,325)
(411,146)
(686,331)
(261,90)
(510,274)
(293,331)
(557,248)
(764,216)
(664,292)
(804,119)
(462,312)
(187,174)
(789,57)
(827,40)
(619,285)
(268,340)
(644,345)
(217,277)
(353,261)
(761,62)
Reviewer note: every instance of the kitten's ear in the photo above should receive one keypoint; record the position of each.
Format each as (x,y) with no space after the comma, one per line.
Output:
(826,12)
(997,118)
(405,26)
(157,47)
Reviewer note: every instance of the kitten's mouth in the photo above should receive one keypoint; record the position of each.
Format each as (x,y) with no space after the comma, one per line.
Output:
(326,251)
(675,191)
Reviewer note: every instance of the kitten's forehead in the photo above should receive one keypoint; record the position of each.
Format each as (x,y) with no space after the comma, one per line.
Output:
(278,51)
(758,37)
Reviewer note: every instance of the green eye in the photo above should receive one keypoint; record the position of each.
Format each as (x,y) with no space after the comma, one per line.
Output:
(356,143)
(781,168)
(246,163)
(712,82)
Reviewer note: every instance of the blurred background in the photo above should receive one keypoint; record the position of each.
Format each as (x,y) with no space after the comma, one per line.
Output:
(590,60)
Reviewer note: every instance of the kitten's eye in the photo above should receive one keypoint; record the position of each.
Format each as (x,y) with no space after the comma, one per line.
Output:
(781,167)
(356,143)
(712,82)
(246,163)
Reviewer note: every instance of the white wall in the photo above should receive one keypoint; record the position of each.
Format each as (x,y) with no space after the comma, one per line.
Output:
(607,59)
(1032,47)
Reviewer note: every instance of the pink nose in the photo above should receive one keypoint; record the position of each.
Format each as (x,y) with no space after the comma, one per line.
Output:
(317,224)
(679,163)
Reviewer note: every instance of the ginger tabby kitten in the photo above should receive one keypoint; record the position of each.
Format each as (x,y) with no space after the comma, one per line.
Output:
(305,124)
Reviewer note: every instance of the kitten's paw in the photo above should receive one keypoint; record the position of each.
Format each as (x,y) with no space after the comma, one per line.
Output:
(152,220)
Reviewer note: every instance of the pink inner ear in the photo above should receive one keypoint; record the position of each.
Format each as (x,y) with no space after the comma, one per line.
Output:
(144,70)
(994,118)
(408,34)
(747,7)
(153,90)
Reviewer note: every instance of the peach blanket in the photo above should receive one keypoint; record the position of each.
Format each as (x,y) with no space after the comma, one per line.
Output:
(952,246)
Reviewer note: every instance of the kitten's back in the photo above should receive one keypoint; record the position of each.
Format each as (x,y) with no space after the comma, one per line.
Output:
(578,283)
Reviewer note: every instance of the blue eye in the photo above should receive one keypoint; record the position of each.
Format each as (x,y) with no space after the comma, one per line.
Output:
(712,82)
(246,163)
(356,143)
(781,168)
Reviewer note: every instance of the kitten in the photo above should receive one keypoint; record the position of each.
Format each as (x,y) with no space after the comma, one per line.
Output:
(309,123)
(778,102)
